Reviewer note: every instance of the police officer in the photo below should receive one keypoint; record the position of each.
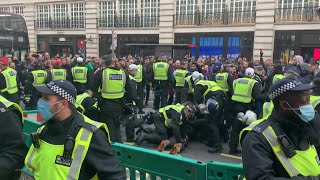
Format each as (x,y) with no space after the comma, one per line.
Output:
(188,88)
(130,112)
(180,75)
(267,109)
(277,73)
(169,121)
(12,147)
(140,79)
(282,146)
(81,77)
(224,80)
(204,92)
(37,77)
(84,103)
(246,91)
(8,81)
(160,76)
(58,73)
(69,145)
(114,82)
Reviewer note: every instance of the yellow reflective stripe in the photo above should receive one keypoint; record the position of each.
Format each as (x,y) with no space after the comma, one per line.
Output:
(29,162)
(268,108)
(315,103)
(76,163)
(271,137)
(79,103)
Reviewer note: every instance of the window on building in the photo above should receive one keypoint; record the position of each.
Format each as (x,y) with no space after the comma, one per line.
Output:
(43,16)
(128,13)
(60,16)
(242,11)
(293,10)
(211,46)
(213,11)
(107,13)
(186,12)
(150,13)
(5,9)
(17,9)
(77,15)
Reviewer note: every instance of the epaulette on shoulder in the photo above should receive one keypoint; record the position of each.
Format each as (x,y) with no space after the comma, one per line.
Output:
(259,128)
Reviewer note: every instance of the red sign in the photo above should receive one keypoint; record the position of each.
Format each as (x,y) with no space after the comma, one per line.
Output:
(316,54)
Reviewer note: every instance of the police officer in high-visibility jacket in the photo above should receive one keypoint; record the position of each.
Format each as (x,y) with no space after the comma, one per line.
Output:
(282,146)
(69,145)
(188,88)
(180,75)
(246,91)
(224,80)
(160,83)
(37,77)
(8,81)
(12,147)
(204,92)
(169,127)
(114,82)
(267,109)
(315,94)
(84,102)
(58,73)
(81,76)
(140,78)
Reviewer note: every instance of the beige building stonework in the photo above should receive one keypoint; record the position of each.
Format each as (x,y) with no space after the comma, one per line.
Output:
(263,25)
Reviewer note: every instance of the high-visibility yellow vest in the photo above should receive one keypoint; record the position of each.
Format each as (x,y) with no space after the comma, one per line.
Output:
(113,83)
(79,74)
(160,70)
(315,101)
(267,109)
(43,161)
(243,90)
(191,88)
(180,77)
(304,163)
(212,86)
(58,74)
(10,76)
(178,107)
(277,77)
(138,76)
(222,81)
(39,77)
(79,101)
(8,104)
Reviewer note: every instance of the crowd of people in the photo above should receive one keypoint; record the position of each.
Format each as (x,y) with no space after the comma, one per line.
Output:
(212,100)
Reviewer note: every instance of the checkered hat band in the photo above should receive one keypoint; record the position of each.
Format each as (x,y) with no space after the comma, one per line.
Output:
(282,89)
(65,95)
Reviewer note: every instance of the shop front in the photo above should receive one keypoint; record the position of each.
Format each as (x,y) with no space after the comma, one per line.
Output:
(290,43)
(62,45)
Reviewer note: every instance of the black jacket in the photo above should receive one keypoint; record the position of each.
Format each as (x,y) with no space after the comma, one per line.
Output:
(99,158)
(12,147)
(175,116)
(259,160)
(199,91)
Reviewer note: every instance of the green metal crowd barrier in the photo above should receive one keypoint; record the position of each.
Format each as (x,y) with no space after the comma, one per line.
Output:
(149,164)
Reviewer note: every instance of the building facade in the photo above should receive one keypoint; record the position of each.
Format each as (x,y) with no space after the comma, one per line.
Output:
(228,28)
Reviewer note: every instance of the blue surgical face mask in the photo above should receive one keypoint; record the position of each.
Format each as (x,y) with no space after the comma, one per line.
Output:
(306,114)
(44,107)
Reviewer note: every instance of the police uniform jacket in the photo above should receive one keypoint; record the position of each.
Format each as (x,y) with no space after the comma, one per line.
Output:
(259,160)
(99,157)
(12,147)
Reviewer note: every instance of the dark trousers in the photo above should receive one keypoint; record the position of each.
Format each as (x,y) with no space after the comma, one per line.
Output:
(161,94)
(34,99)
(228,117)
(140,89)
(178,95)
(214,124)
(147,92)
(110,114)
(237,125)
